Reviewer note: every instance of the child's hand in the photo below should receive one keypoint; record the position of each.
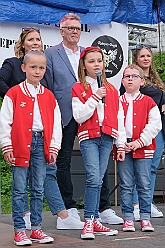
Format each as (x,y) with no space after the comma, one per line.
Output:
(133,145)
(163,108)
(101,92)
(53,157)
(127,148)
(120,156)
(8,157)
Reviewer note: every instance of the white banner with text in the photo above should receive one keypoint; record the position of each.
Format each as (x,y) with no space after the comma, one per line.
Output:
(111,38)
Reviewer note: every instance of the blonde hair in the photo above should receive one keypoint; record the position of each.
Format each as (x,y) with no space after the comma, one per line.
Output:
(69,16)
(138,68)
(18,48)
(82,71)
(154,78)
(32,53)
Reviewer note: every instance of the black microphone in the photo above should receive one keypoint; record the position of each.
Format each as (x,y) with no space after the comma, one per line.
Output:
(99,81)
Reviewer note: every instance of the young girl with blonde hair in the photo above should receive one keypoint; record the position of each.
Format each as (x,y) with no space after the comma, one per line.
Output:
(99,124)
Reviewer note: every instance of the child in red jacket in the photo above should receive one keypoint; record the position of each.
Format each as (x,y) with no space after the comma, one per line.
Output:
(30,137)
(99,124)
(142,124)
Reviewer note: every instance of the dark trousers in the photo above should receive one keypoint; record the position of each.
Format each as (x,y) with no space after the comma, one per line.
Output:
(63,163)
(104,195)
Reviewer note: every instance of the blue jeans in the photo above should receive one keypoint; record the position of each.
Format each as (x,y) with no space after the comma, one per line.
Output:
(95,153)
(51,190)
(160,141)
(26,205)
(135,171)
(37,173)
(63,163)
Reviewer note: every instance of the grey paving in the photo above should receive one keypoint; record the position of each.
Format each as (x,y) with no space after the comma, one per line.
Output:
(71,238)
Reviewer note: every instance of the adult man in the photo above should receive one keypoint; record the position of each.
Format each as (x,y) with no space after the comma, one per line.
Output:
(62,61)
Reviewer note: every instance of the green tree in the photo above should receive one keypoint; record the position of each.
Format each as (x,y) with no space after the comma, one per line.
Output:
(159,62)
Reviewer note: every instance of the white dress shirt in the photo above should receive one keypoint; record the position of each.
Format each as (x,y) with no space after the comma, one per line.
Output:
(129,117)
(37,121)
(73,58)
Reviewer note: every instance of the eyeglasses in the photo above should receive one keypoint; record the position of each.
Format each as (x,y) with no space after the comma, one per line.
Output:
(29,28)
(70,28)
(140,46)
(134,76)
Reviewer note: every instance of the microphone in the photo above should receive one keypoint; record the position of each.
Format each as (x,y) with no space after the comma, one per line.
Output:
(99,81)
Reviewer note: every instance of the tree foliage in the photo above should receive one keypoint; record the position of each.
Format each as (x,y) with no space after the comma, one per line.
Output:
(159,61)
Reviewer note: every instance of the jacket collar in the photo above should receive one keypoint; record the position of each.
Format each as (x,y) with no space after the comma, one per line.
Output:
(26,89)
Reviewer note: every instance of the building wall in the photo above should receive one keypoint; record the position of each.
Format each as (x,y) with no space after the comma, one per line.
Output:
(153,37)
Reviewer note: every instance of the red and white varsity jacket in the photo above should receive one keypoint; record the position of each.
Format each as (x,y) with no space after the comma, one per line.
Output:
(146,123)
(84,104)
(16,120)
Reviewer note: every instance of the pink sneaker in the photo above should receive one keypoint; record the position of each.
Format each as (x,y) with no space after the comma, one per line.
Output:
(128,226)
(39,236)
(146,225)
(20,238)
(99,228)
(88,232)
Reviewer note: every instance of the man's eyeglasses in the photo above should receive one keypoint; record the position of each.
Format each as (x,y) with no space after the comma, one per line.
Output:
(70,28)
(140,46)
(29,28)
(134,76)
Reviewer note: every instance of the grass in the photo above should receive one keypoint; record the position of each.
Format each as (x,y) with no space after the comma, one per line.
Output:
(6,205)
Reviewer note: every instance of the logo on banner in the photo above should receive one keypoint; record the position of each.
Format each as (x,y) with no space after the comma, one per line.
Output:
(113,54)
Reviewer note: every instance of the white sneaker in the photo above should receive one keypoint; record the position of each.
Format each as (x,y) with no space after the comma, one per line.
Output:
(136,213)
(155,212)
(27,221)
(69,223)
(74,212)
(109,216)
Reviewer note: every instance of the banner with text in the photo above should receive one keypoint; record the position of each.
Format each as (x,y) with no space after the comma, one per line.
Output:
(111,38)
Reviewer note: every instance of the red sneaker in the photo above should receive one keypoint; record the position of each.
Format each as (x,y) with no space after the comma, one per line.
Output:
(99,228)
(39,236)
(128,226)
(88,232)
(146,225)
(20,238)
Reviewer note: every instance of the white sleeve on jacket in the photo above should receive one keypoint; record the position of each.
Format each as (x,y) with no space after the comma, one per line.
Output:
(6,120)
(83,111)
(121,140)
(151,129)
(55,143)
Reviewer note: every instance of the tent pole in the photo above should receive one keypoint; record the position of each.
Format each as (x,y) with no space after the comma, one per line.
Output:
(115,179)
